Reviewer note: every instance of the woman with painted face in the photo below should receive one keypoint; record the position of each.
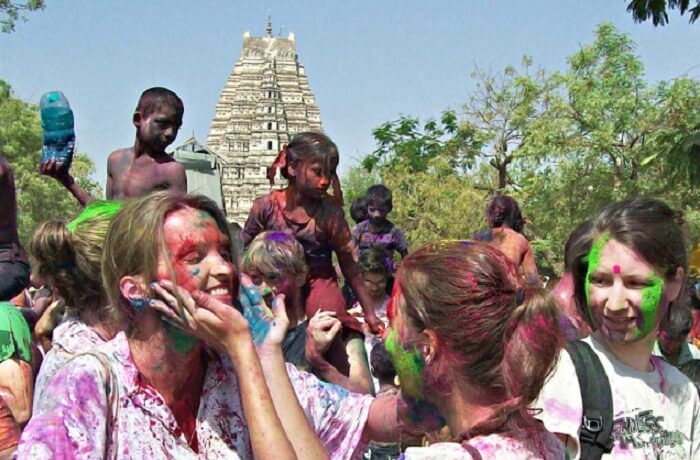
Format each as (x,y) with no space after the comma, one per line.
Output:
(627,271)
(471,345)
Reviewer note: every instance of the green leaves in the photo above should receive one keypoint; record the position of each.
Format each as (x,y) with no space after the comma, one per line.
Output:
(11,12)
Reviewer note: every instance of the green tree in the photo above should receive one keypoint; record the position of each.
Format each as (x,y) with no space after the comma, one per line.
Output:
(11,12)
(39,198)
(657,10)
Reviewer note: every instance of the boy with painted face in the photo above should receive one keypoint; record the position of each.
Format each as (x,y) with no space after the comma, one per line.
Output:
(672,344)
(136,170)
(626,273)
(275,262)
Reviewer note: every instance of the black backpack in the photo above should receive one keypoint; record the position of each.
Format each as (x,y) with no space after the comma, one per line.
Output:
(597,422)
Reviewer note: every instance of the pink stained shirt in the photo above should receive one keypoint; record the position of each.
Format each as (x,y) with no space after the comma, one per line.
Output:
(90,411)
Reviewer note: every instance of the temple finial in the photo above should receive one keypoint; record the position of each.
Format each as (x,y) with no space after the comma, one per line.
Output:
(269,26)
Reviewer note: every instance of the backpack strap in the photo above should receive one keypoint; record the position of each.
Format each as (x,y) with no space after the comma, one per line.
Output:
(597,423)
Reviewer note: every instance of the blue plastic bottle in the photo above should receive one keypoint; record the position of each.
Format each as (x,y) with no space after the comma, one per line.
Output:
(57,123)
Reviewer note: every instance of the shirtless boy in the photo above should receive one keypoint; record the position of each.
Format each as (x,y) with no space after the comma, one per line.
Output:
(136,170)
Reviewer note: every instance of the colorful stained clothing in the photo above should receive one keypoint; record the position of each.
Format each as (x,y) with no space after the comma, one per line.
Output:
(70,338)
(526,445)
(388,239)
(320,234)
(655,413)
(15,338)
(100,408)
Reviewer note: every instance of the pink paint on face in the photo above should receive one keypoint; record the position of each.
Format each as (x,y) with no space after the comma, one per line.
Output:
(616,269)
(199,254)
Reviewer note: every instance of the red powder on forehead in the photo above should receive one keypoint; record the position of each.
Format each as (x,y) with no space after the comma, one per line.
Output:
(616,269)
(392,304)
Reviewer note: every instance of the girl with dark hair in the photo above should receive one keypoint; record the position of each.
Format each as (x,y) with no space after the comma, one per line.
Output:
(467,341)
(506,225)
(316,219)
(627,271)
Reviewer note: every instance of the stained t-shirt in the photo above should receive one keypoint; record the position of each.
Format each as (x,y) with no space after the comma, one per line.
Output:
(655,413)
(15,338)
(525,445)
(70,338)
(323,232)
(102,409)
(388,239)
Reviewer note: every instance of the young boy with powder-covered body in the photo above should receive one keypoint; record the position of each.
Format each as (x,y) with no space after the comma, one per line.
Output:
(275,262)
(145,166)
(378,231)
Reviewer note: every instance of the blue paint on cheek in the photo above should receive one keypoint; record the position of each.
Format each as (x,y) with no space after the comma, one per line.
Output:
(196,271)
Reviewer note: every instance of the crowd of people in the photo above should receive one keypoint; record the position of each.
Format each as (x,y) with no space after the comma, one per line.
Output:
(148,326)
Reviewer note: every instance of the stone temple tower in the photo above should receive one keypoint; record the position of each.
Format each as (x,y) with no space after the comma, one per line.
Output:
(266,101)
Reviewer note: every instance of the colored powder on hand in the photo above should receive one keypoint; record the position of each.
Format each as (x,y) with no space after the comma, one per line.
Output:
(593,260)
(409,365)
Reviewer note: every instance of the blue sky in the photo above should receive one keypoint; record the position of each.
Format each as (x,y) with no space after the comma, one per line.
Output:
(368,61)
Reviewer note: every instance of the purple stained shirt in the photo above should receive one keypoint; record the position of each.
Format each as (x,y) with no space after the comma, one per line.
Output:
(388,240)
(93,410)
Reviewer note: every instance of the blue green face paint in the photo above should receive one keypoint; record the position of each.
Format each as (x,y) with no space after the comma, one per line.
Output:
(409,365)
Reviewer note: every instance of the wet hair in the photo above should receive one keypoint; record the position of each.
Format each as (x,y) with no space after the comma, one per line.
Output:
(372,261)
(379,360)
(503,209)
(136,239)
(68,257)
(679,321)
(380,196)
(646,225)
(691,369)
(154,97)
(275,252)
(499,340)
(358,209)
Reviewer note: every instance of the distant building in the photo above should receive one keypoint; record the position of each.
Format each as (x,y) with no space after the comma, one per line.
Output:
(265,102)
(202,167)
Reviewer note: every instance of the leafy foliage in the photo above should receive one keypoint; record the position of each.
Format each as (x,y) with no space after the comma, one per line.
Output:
(11,12)
(39,198)
(656,10)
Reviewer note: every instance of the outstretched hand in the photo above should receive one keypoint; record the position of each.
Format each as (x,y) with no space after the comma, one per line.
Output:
(201,315)
(322,329)
(376,326)
(55,169)
(267,327)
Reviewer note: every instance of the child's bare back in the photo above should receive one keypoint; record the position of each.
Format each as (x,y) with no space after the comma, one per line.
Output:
(129,176)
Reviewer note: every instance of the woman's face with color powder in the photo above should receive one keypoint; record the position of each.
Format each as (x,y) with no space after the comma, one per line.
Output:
(199,254)
(403,348)
(625,293)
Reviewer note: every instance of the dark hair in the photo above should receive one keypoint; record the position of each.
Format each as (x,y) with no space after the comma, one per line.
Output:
(379,195)
(310,146)
(358,209)
(379,359)
(503,209)
(679,321)
(152,98)
(372,261)
(691,369)
(574,237)
(646,225)
(467,292)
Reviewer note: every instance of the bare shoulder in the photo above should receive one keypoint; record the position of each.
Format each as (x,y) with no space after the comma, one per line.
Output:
(118,157)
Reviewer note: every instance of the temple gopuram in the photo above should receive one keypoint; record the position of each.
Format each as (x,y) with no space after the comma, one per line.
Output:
(265,101)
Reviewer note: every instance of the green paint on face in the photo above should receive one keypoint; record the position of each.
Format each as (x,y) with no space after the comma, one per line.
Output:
(182,342)
(593,263)
(651,300)
(409,365)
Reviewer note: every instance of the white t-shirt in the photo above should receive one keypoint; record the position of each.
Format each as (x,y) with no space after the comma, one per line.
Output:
(525,445)
(655,413)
